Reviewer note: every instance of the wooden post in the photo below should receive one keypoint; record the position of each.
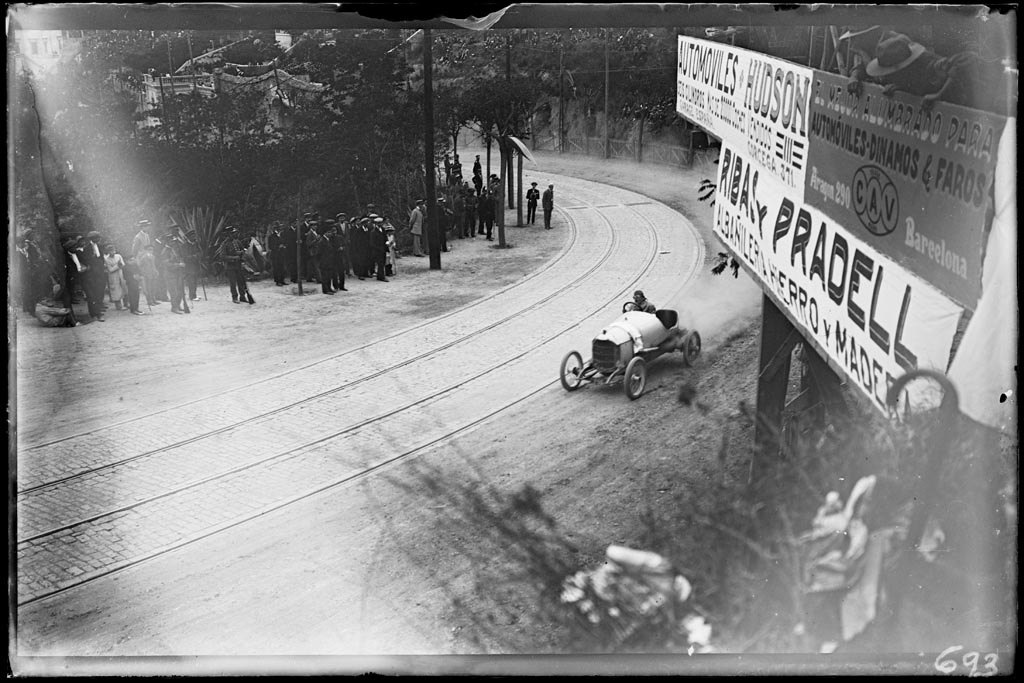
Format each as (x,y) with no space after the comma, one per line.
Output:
(778,337)
(433,239)
(561,103)
(607,140)
(519,202)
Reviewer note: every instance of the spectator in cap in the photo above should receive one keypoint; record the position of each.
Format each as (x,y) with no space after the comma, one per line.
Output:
(323,250)
(29,268)
(444,221)
(113,265)
(94,280)
(468,211)
(309,237)
(133,283)
(548,202)
(277,249)
(485,210)
(532,197)
(417,218)
(147,266)
(289,238)
(458,212)
(339,255)
(344,232)
(230,254)
(379,248)
(359,247)
(72,271)
(141,239)
(174,267)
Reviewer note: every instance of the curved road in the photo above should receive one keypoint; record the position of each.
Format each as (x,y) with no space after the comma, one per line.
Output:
(93,505)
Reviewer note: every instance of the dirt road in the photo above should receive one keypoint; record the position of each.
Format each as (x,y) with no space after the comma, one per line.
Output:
(377,568)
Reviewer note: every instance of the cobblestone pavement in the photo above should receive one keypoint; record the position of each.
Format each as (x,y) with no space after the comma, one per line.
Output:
(91,504)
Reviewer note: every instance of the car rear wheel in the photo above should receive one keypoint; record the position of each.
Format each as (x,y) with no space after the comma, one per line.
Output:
(691,347)
(636,378)
(572,371)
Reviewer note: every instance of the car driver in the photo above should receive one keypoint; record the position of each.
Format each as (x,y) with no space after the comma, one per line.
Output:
(642,304)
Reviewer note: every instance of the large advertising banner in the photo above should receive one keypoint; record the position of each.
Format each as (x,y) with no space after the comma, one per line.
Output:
(757,103)
(870,317)
(912,182)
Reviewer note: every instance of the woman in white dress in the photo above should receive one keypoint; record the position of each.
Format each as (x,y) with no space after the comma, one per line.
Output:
(116,285)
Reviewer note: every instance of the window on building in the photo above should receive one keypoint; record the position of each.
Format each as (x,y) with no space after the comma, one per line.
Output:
(33,46)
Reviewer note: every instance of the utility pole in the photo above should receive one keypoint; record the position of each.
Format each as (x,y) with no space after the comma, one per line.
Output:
(433,239)
(191,63)
(607,141)
(561,102)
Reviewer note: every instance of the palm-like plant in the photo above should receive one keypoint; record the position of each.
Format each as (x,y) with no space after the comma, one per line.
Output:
(205,227)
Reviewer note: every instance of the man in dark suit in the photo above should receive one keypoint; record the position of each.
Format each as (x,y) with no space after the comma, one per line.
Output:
(278,252)
(378,241)
(230,253)
(325,256)
(548,202)
(175,265)
(532,197)
(288,239)
(94,280)
(485,210)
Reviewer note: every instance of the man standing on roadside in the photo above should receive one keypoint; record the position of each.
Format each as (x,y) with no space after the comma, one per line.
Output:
(485,210)
(95,279)
(532,197)
(289,240)
(416,221)
(548,203)
(174,265)
(147,266)
(469,219)
(444,222)
(193,264)
(230,253)
(276,247)
(339,249)
(325,257)
(379,247)
(344,231)
(141,239)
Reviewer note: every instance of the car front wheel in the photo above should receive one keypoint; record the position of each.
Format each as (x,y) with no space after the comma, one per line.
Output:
(572,371)
(636,378)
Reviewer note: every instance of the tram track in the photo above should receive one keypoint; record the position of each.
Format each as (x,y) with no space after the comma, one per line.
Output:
(352,383)
(551,264)
(333,435)
(407,409)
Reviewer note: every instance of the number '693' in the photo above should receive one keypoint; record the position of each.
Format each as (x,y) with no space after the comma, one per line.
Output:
(948,664)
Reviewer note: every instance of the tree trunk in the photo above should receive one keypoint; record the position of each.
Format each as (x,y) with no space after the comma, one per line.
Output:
(519,199)
(501,192)
(510,152)
(640,139)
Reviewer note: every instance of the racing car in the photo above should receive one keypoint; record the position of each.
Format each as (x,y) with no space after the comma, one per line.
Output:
(623,349)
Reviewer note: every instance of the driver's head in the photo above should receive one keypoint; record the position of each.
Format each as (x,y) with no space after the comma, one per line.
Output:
(638,296)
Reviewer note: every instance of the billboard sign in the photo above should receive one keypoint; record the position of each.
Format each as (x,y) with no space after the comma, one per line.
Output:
(755,102)
(913,182)
(870,317)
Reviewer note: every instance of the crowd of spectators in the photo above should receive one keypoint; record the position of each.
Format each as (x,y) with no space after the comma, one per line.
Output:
(166,265)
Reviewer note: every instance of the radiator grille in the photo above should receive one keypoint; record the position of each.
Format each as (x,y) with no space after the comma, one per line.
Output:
(606,355)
